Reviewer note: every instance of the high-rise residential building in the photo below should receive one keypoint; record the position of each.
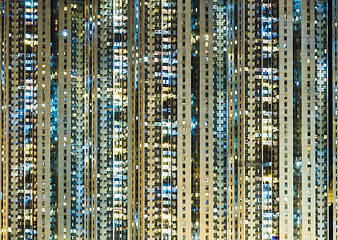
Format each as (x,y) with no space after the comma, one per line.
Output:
(42,86)
(174,152)
(277,171)
(334,97)
(166,119)
(25,122)
(106,119)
